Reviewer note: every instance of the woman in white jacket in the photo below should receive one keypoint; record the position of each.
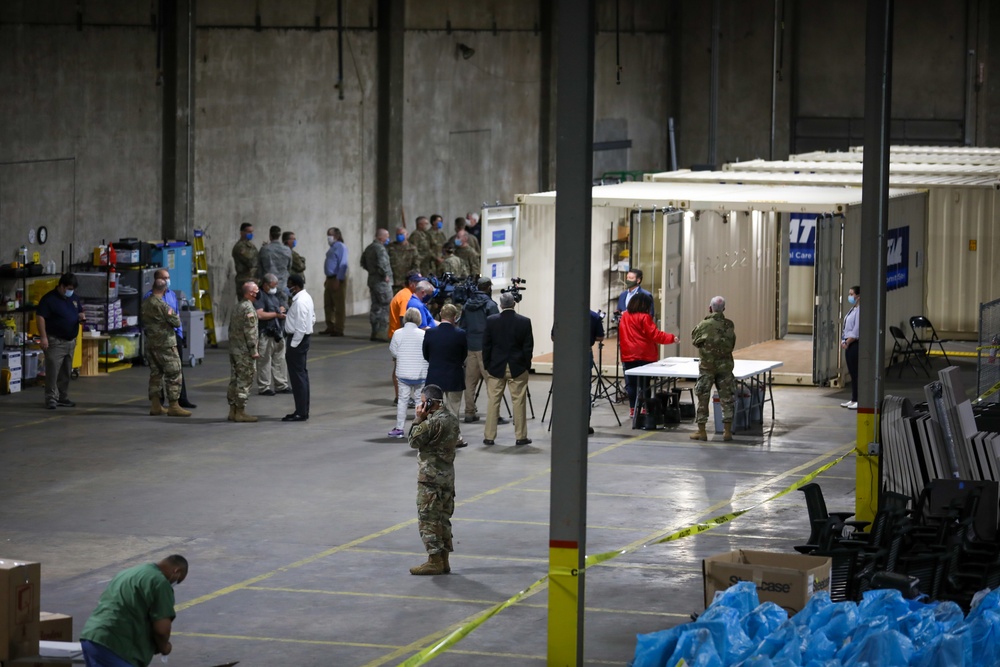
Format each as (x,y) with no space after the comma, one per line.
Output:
(407,348)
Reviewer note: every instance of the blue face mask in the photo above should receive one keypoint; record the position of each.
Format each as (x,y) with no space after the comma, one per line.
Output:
(439,224)
(295,242)
(400,237)
(386,242)
(250,236)
(427,298)
(851,300)
(69,293)
(458,242)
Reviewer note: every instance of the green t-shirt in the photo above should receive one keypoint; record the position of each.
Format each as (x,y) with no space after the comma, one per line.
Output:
(123,620)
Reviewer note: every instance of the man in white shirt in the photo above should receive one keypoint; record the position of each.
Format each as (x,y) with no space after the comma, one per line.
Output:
(299,321)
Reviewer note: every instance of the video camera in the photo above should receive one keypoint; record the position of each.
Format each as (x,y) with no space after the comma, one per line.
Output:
(516,286)
(449,286)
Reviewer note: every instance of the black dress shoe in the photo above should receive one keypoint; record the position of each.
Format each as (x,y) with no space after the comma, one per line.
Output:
(487,442)
(187,404)
(294,418)
(525,441)
(286,390)
(267,392)
(460,444)
(65,403)
(501,420)
(469,419)
(590,430)
(51,405)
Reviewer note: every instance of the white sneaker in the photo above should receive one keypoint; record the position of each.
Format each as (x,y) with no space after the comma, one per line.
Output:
(845,404)
(853,405)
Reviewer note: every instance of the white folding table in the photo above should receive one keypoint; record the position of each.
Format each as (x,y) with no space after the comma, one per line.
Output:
(752,374)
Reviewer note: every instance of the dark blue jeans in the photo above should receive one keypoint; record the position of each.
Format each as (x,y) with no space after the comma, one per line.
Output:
(95,655)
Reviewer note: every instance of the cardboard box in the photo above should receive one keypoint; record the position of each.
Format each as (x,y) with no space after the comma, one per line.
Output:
(55,627)
(786,579)
(11,359)
(20,604)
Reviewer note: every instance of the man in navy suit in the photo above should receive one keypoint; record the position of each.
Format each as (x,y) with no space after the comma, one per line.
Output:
(633,282)
(507,349)
(445,349)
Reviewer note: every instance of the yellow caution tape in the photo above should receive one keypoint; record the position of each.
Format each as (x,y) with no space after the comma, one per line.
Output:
(989,392)
(446,642)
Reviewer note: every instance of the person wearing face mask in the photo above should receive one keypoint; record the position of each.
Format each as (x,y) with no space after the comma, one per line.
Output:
(298,261)
(849,343)
(59,316)
(438,237)
(160,321)
(715,338)
(276,257)
(422,295)
(170,298)
(375,260)
(243,354)
(633,282)
(245,258)
(298,330)
(420,239)
(335,287)
(271,340)
(134,615)
(452,263)
(465,252)
(402,258)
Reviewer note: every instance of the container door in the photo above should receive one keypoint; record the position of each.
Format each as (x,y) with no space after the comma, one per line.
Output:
(498,243)
(669,308)
(826,320)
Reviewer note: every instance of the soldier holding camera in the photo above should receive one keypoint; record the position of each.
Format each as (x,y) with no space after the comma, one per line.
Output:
(271,340)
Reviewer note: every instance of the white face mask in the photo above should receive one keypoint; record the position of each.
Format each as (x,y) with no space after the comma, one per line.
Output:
(168,283)
(273,290)
(331,240)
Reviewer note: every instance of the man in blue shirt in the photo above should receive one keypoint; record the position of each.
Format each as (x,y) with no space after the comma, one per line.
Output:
(421,295)
(335,288)
(170,298)
(59,316)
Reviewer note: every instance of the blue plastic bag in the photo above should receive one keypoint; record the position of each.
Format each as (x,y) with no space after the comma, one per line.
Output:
(841,621)
(889,603)
(696,648)
(816,613)
(885,648)
(741,596)
(763,620)
(946,650)
(773,644)
(817,647)
(731,643)
(652,650)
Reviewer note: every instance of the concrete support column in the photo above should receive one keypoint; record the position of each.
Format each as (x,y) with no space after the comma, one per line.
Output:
(389,132)
(546,96)
(177,181)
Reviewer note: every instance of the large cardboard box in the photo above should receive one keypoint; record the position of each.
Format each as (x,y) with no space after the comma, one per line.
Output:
(788,580)
(55,627)
(20,604)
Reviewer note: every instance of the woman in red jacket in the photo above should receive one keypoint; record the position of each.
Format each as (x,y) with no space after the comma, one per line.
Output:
(638,338)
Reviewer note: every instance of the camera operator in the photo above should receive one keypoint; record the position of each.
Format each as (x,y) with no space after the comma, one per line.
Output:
(271,340)
(478,307)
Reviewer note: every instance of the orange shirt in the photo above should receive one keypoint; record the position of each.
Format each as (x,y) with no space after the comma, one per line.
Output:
(397,309)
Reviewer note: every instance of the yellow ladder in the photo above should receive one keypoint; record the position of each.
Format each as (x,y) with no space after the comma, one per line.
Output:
(202,290)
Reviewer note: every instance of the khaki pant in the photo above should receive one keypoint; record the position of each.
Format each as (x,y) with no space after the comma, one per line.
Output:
(453,402)
(335,304)
(58,366)
(518,394)
(271,364)
(474,371)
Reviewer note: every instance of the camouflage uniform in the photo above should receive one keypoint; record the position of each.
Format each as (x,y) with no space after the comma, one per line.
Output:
(456,265)
(242,347)
(375,260)
(404,260)
(426,253)
(245,258)
(164,363)
(471,258)
(437,242)
(435,439)
(298,264)
(715,338)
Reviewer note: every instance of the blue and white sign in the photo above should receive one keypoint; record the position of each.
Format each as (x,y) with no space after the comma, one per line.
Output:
(897,258)
(802,238)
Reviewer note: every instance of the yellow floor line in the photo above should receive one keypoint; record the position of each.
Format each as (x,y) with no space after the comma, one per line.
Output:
(281,640)
(391,596)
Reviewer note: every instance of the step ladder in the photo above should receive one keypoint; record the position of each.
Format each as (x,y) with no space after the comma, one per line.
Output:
(202,289)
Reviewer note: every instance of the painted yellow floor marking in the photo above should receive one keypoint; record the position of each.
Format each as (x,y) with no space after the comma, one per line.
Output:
(390,596)
(421,554)
(282,640)
(545,523)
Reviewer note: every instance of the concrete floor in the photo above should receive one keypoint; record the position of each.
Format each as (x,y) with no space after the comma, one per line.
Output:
(300,535)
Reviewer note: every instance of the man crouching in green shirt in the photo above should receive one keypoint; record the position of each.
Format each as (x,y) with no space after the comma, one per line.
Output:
(133,617)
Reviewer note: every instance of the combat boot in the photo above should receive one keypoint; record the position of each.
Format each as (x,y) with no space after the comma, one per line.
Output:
(241,416)
(155,407)
(727,435)
(447,565)
(232,413)
(434,565)
(176,410)
(700,434)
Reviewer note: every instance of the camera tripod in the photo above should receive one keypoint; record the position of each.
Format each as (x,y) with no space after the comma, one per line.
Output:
(603,387)
(510,415)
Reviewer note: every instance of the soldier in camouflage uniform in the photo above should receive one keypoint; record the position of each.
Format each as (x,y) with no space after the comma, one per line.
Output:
(375,260)
(242,354)
(465,252)
(245,258)
(403,259)
(438,240)
(298,261)
(453,264)
(434,435)
(715,338)
(160,321)
(422,241)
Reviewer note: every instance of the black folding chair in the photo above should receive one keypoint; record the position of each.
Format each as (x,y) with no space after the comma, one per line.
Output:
(903,352)
(922,342)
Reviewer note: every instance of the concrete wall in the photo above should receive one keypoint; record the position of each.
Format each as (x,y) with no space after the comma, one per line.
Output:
(80,111)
